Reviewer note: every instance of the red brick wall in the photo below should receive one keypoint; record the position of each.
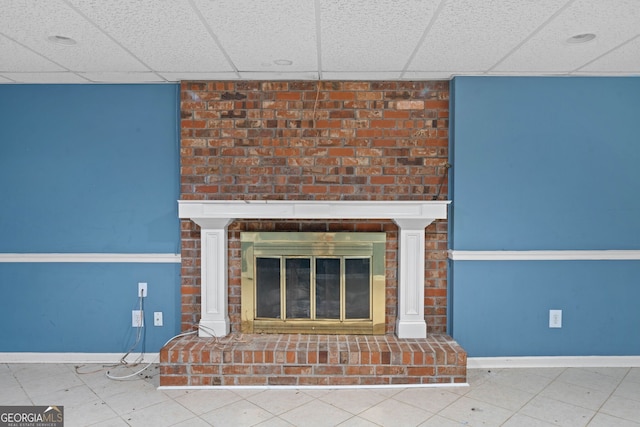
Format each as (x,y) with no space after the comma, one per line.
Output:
(315,141)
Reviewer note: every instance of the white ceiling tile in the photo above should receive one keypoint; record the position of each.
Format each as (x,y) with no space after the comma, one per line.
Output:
(367,35)
(306,75)
(32,22)
(18,58)
(626,58)
(472,35)
(275,30)
(365,75)
(113,77)
(4,80)
(528,73)
(165,35)
(428,75)
(65,77)
(608,73)
(176,77)
(613,21)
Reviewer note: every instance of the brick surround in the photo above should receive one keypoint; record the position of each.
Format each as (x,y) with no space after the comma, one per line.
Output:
(308,360)
(250,140)
(315,141)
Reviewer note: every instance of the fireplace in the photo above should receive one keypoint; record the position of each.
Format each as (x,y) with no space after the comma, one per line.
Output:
(315,283)
(313,157)
(411,217)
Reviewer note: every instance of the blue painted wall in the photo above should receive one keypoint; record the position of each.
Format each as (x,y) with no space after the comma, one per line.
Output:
(545,164)
(87,169)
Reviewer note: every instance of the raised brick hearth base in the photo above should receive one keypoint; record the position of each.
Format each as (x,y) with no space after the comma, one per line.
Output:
(304,360)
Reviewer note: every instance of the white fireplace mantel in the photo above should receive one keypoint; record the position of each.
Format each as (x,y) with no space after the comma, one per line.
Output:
(213,217)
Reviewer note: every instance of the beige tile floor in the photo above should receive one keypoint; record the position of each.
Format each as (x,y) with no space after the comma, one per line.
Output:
(498,397)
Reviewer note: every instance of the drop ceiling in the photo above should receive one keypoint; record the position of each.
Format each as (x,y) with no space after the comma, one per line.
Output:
(134,41)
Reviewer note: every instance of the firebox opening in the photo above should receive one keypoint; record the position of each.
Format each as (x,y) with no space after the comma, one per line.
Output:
(314,283)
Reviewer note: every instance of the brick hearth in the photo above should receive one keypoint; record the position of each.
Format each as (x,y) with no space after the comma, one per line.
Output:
(304,360)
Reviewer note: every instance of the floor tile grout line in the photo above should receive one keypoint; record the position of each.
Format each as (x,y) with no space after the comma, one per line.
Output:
(288,410)
(456,399)
(558,380)
(89,386)
(534,395)
(609,397)
(563,402)
(587,388)
(517,412)
(21,386)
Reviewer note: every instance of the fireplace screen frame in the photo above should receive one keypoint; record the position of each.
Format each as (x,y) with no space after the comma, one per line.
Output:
(286,245)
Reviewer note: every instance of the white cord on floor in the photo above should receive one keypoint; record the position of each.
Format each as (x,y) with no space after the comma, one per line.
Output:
(112,377)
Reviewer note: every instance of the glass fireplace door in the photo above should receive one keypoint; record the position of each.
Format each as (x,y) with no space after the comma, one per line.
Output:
(310,285)
(337,288)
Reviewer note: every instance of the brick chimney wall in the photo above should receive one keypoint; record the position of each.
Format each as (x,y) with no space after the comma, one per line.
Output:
(301,140)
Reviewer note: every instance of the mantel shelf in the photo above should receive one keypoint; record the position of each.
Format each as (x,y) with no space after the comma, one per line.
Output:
(305,209)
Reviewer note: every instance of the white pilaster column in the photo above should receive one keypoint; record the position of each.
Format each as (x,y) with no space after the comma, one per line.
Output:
(411,252)
(214,320)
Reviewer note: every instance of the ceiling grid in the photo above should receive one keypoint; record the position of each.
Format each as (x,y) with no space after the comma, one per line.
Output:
(120,41)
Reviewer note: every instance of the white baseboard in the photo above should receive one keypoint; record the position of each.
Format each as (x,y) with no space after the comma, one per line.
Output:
(553,362)
(74,357)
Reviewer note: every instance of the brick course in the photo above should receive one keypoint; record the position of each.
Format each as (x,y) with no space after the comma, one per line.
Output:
(306,140)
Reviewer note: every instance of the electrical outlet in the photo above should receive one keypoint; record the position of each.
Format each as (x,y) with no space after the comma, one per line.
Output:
(555,318)
(137,319)
(142,289)
(157,318)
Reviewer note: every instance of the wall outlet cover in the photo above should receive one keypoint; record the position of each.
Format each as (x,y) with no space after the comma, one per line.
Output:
(137,319)
(157,318)
(555,318)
